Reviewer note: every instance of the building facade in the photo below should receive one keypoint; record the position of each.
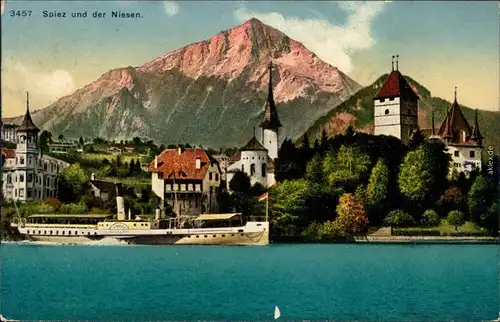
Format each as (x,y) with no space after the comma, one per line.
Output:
(27,174)
(9,132)
(256,159)
(187,180)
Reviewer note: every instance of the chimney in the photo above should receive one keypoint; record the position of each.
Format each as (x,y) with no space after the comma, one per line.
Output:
(198,163)
(156,161)
(92,176)
(120,204)
(179,150)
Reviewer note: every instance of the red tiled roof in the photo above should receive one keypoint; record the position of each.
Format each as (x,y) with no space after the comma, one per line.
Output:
(396,85)
(181,166)
(9,153)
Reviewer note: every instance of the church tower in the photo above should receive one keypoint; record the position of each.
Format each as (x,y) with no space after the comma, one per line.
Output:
(27,156)
(396,107)
(271,123)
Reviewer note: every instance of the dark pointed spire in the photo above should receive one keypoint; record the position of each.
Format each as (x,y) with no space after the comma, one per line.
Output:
(476,134)
(27,123)
(397,62)
(455,94)
(392,62)
(271,119)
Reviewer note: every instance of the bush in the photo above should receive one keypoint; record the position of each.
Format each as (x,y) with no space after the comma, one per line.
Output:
(321,231)
(54,203)
(399,218)
(430,218)
(73,208)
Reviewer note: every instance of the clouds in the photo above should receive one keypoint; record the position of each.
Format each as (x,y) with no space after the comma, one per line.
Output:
(333,43)
(45,87)
(171,7)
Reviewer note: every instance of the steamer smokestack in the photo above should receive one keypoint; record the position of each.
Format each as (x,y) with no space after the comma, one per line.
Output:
(120,204)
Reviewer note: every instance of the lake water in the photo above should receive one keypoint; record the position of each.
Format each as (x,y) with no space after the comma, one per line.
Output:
(337,282)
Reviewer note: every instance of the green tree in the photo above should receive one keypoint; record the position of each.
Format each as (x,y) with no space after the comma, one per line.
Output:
(76,180)
(479,198)
(415,179)
(314,169)
(305,141)
(80,141)
(288,210)
(347,167)
(430,218)
(240,182)
(45,139)
(351,216)
(399,218)
(456,218)
(61,137)
(452,199)
(378,186)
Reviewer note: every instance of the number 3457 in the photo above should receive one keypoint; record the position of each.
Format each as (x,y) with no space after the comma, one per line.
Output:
(20,13)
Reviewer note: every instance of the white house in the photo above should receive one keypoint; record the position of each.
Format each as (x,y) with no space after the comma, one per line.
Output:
(27,174)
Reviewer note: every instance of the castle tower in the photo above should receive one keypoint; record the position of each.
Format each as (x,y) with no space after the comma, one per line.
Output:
(27,156)
(396,107)
(463,142)
(271,123)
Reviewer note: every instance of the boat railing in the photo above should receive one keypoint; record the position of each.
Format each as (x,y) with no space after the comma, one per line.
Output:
(89,226)
(19,222)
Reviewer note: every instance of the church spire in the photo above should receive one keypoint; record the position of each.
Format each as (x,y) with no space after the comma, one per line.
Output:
(271,119)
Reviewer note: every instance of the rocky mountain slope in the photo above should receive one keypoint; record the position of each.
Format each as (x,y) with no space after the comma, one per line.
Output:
(212,92)
(358,111)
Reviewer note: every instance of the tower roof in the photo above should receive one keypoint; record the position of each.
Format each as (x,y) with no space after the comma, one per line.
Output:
(27,123)
(396,86)
(253,145)
(271,120)
(455,124)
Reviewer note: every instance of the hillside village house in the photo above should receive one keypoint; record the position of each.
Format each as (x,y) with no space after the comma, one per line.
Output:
(102,189)
(187,180)
(223,163)
(256,158)
(396,114)
(27,174)
(63,147)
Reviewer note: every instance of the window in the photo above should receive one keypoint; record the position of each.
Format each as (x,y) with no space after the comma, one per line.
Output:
(243,167)
(210,175)
(21,160)
(9,179)
(21,193)
(29,193)
(216,177)
(252,169)
(456,153)
(21,178)
(264,169)
(386,112)
(382,100)
(29,177)
(472,153)
(391,99)
(29,160)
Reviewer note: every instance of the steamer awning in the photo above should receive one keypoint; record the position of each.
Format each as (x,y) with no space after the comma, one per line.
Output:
(216,216)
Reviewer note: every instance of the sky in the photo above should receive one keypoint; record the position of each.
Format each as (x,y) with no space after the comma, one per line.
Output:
(440,44)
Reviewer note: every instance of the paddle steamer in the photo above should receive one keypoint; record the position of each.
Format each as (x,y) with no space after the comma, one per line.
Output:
(204,229)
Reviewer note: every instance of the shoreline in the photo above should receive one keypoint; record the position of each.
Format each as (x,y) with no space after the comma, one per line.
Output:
(427,240)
